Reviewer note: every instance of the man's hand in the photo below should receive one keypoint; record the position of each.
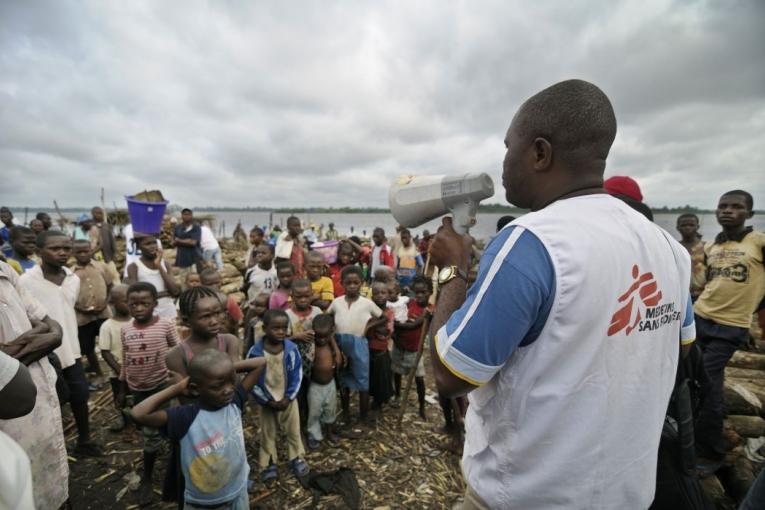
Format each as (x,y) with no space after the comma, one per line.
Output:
(448,248)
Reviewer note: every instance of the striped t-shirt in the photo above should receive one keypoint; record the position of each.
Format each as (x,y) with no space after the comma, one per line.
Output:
(144,349)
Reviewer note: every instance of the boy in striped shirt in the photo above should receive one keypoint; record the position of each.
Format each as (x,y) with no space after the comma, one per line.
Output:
(146,341)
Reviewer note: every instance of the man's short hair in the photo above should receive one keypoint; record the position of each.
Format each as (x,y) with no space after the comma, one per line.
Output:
(273,314)
(293,218)
(201,363)
(504,220)
(301,283)
(207,272)
(323,320)
(41,215)
(748,200)
(43,237)
(18,231)
(286,264)
(257,230)
(575,116)
(687,216)
(349,270)
(187,210)
(142,287)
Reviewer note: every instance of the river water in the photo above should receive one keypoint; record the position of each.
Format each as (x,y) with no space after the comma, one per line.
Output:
(359,223)
(362,224)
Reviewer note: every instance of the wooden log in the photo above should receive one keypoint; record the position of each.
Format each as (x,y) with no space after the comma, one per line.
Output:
(747,426)
(737,476)
(716,492)
(743,359)
(740,400)
(745,373)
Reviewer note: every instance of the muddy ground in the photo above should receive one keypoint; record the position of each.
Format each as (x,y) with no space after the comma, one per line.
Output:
(410,467)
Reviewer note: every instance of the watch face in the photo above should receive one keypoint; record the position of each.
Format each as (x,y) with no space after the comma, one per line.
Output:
(445,274)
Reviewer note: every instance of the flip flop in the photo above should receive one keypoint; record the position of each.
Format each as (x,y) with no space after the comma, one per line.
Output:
(269,474)
(299,467)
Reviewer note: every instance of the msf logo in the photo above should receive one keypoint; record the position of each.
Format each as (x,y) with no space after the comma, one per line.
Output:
(645,289)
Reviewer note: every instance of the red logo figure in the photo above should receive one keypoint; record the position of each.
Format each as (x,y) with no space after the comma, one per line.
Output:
(647,289)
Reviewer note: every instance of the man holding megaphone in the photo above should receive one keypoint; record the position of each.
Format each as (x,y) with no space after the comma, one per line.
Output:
(568,341)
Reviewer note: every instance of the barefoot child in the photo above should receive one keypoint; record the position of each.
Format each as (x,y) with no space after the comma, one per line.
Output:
(213,457)
(352,314)
(301,314)
(406,343)
(380,381)
(322,394)
(323,290)
(276,392)
(146,341)
(92,305)
(110,345)
(280,297)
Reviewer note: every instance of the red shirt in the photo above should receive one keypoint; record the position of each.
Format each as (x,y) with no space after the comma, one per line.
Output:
(378,342)
(335,272)
(409,339)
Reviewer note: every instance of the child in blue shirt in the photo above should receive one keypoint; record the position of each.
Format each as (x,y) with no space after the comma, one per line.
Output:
(276,391)
(213,458)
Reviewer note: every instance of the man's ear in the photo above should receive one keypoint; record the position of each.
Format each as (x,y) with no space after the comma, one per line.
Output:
(193,389)
(751,213)
(542,150)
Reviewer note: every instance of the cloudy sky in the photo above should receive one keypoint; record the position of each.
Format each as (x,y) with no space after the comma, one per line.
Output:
(324,103)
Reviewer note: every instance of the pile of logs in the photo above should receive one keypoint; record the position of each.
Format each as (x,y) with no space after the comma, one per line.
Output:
(745,402)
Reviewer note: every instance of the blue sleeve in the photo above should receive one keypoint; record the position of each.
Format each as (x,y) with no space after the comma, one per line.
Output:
(179,419)
(196,233)
(418,261)
(688,328)
(294,372)
(506,307)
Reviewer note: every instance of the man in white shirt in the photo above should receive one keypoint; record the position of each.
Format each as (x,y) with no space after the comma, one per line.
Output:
(210,247)
(568,341)
(56,287)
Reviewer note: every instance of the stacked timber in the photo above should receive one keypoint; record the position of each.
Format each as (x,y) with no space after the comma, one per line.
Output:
(744,394)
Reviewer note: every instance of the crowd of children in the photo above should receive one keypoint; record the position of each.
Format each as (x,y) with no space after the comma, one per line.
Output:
(313,334)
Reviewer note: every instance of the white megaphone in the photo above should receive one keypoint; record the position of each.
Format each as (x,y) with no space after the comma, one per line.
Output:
(416,199)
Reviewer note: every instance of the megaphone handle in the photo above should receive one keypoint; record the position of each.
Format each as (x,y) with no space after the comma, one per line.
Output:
(464,216)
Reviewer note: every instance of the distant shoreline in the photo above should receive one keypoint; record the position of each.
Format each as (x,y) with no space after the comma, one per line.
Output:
(488,208)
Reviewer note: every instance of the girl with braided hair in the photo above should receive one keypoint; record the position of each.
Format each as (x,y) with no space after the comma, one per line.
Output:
(201,312)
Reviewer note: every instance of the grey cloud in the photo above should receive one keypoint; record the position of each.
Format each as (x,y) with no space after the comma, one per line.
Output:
(312,104)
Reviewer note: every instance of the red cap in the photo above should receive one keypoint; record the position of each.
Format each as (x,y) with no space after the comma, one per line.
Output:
(623,185)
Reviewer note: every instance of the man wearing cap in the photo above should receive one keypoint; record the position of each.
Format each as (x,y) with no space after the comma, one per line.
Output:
(567,345)
(628,191)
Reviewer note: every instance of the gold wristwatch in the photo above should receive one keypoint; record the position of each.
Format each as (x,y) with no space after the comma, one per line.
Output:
(449,273)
